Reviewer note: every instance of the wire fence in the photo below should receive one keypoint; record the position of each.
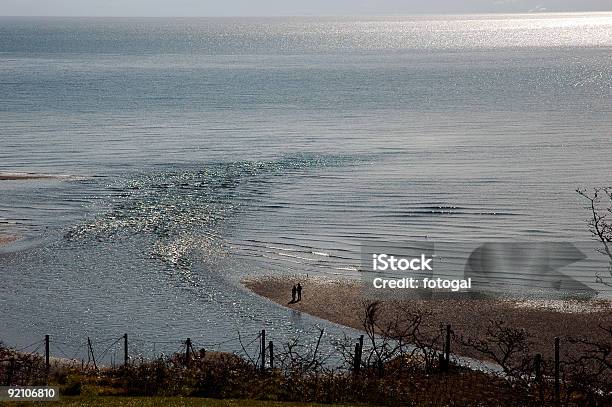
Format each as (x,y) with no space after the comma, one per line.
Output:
(332,351)
(381,349)
(124,348)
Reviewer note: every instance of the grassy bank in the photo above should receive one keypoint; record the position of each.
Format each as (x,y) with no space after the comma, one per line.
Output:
(159,402)
(300,376)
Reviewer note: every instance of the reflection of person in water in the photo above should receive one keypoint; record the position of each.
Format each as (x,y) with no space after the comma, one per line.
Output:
(293,291)
(299,292)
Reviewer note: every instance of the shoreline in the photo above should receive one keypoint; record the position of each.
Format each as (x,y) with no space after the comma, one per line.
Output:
(342,302)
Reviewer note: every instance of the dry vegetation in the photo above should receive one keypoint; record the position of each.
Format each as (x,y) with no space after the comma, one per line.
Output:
(401,362)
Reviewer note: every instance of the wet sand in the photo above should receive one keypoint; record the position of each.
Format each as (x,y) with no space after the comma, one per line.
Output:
(26,176)
(7,239)
(342,302)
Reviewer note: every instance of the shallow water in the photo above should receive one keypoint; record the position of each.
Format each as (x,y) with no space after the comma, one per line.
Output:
(206,150)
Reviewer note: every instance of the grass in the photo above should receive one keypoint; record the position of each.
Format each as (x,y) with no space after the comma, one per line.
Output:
(112,401)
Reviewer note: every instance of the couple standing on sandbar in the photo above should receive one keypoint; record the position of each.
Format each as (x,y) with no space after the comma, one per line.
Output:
(296,290)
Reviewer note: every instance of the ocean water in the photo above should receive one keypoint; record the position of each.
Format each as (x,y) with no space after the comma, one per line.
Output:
(197,152)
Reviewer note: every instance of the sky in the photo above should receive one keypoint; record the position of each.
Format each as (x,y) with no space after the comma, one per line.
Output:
(285,7)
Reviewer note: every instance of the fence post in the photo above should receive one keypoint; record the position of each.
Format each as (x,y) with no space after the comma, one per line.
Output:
(447,348)
(356,359)
(358,354)
(263,350)
(93,357)
(11,372)
(187,351)
(538,376)
(271,346)
(126,358)
(360,347)
(557,378)
(47,352)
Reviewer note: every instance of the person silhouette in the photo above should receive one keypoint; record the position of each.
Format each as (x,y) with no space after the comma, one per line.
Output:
(299,292)
(293,292)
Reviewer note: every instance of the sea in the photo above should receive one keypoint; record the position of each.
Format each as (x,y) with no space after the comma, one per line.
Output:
(188,154)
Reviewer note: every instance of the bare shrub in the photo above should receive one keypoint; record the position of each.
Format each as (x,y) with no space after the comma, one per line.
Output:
(506,346)
(600,224)
(587,375)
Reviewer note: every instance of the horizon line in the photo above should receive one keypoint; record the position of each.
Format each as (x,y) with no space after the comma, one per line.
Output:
(484,13)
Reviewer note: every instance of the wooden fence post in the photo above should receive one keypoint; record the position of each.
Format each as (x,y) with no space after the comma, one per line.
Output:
(557,375)
(126,358)
(447,348)
(271,347)
(93,357)
(360,347)
(358,355)
(263,350)
(356,359)
(47,352)
(538,376)
(11,372)
(187,351)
